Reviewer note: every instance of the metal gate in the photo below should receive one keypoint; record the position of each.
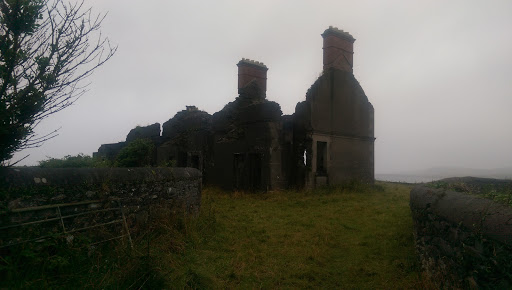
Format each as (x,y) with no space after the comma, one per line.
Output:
(37,223)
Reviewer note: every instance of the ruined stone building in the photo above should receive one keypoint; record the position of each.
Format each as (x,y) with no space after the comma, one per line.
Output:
(251,145)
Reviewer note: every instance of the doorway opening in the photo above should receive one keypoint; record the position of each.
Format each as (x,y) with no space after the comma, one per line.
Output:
(321,158)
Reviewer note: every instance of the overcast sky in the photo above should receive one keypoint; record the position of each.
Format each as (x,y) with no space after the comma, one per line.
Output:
(438,73)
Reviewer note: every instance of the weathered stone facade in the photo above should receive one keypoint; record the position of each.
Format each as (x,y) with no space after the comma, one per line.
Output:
(247,145)
(251,145)
(334,126)
(187,141)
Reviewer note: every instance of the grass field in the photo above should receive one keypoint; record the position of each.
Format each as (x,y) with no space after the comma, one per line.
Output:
(357,237)
(333,238)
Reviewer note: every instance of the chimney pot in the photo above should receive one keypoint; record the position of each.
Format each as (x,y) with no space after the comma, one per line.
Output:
(252,71)
(338,49)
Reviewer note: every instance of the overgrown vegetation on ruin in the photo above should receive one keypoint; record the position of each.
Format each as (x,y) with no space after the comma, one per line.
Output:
(352,237)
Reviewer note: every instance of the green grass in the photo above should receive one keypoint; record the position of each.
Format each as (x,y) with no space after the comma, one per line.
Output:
(324,239)
(497,192)
(357,237)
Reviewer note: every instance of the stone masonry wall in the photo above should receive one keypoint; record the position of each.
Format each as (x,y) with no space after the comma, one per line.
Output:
(462,240)
(29,195)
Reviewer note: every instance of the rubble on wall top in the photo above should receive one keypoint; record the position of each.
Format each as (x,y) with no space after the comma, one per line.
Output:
(339,32)
(253,62)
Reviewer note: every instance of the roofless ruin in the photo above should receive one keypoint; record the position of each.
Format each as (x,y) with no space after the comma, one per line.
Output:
(251,145)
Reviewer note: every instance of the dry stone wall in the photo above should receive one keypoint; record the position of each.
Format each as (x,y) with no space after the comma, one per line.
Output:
(61,200)
(463,240)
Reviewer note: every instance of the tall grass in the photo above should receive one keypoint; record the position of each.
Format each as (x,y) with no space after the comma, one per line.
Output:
(347,237)
(355,236)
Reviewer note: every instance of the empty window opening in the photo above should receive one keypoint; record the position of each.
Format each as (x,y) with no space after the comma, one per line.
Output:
(321,158)
(238,170)
(247,171)
(194,161)
(182,159)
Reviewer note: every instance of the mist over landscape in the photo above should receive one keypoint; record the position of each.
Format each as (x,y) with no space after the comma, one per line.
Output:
(437,73)
(436,173)
(265,144)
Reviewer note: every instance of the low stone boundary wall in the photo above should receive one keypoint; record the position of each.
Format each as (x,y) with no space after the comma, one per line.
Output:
(462,240)
(37,202)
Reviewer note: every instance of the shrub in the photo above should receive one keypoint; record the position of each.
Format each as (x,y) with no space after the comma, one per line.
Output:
(68,161)
(137,153)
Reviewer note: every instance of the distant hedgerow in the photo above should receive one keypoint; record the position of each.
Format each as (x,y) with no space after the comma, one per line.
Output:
(80,160)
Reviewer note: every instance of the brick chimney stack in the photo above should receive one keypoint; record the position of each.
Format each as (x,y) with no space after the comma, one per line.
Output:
(338,49)
(250,70)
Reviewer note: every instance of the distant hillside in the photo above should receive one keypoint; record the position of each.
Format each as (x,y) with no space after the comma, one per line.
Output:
(435,173)
(503,173)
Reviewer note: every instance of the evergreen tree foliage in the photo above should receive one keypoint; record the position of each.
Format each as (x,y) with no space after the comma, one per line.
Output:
(47,49)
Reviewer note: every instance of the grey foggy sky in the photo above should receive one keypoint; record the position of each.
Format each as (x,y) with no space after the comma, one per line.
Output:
(438,73)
